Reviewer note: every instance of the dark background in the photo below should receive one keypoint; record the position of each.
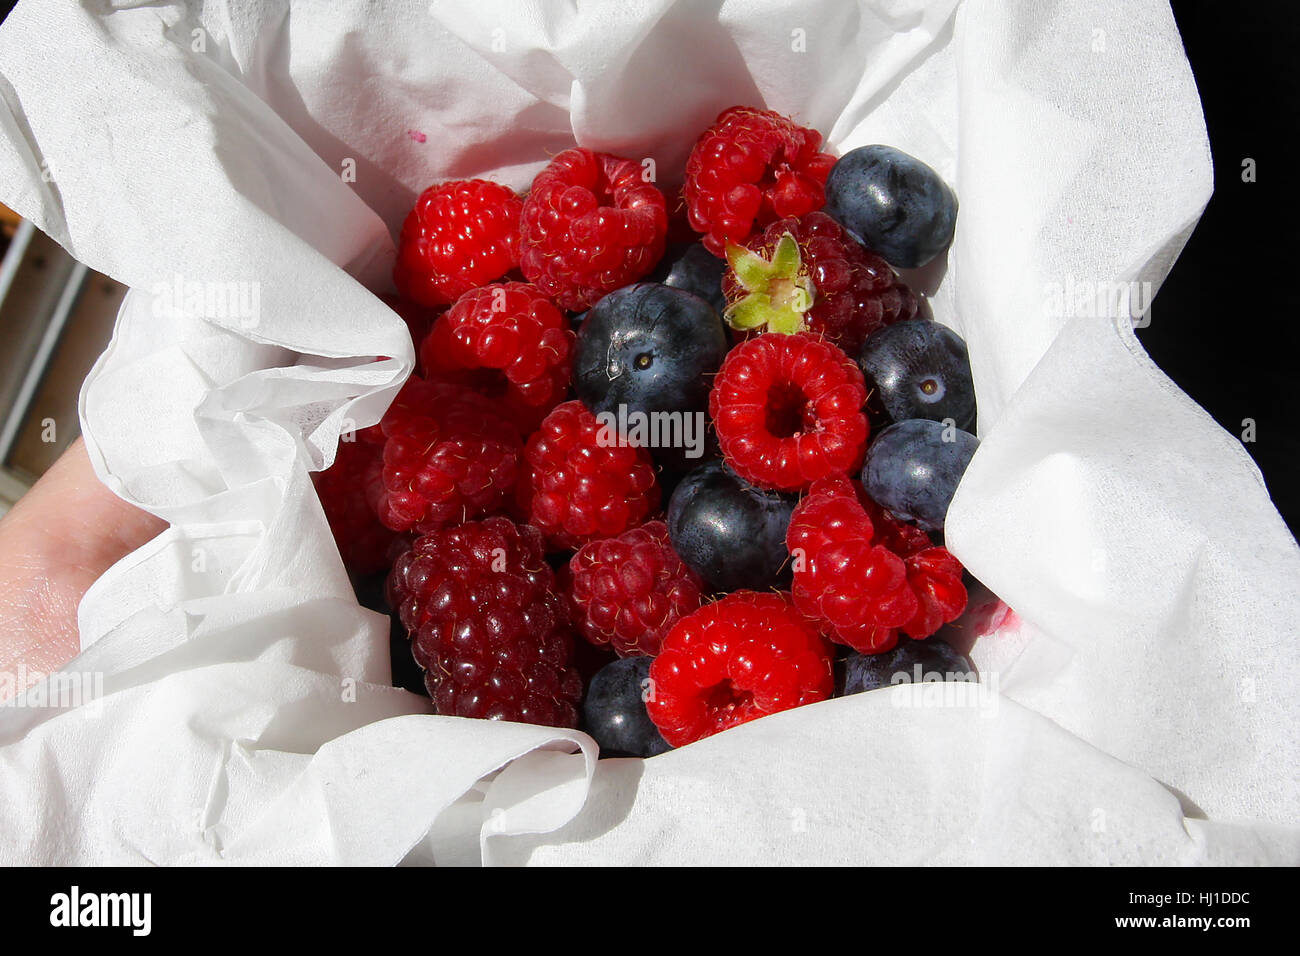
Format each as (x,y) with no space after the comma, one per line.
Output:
(1224,325)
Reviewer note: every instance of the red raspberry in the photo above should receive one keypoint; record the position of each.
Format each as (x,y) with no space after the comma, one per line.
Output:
(630,590)
(750,167)
(746,656)
(819,279)
(509,342)
(348,491)
(788,410)
(866,575)
(590,225)
(449,455)
(487,624)
(576,489)
(459,236)
(933,574)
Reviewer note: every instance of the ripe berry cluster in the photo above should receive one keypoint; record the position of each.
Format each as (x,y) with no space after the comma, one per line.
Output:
(546,565)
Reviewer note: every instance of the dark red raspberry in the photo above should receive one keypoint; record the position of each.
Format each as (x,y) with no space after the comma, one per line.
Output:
(819,279)
(580,484)
(459,236)
(750,167)
(746,656)
(788,410)
(349,490)
(487,624)
(507,341)
(630,590)
(591,224)
(865,575)
(449,455)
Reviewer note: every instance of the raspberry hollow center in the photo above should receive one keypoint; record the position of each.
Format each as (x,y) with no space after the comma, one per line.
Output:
(789,412)
(724,700)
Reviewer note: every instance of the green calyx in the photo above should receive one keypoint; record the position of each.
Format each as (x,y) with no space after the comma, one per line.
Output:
(776,293)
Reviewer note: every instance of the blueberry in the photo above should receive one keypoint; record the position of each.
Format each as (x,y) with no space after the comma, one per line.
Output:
(913,471)
(920,369)
(863,672)
(893,203)
(692,268)
(729,532)
(614,710)
(648,349)
(651,348)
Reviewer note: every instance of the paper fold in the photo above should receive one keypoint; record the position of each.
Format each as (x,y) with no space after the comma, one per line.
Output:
(245,716)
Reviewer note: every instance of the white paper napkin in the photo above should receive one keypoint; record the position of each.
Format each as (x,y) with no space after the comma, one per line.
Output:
(1141,711)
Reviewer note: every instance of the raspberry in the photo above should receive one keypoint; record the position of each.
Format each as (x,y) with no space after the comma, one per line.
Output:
(579,484)
(933,574)
(349,490)
(750,167)
(746,656)
(866,575)
(487,624)
(788,410)
(449,455)
(509,342)
(630,590)
(808,273)
(459,236)
(591,224)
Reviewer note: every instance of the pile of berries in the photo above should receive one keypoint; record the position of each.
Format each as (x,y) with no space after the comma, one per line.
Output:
(657,490)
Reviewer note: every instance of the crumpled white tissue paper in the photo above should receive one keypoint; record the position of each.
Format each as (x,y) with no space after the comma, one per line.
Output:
(1143,708)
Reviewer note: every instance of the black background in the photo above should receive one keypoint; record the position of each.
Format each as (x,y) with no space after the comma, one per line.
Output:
(1224,324)
(927,908)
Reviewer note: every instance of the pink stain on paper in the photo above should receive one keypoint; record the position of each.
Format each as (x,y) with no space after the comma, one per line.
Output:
(416,135)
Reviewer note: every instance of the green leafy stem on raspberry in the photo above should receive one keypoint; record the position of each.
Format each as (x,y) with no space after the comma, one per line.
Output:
(778,291)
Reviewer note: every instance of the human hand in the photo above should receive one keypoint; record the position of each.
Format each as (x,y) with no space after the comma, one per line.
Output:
(60,536)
